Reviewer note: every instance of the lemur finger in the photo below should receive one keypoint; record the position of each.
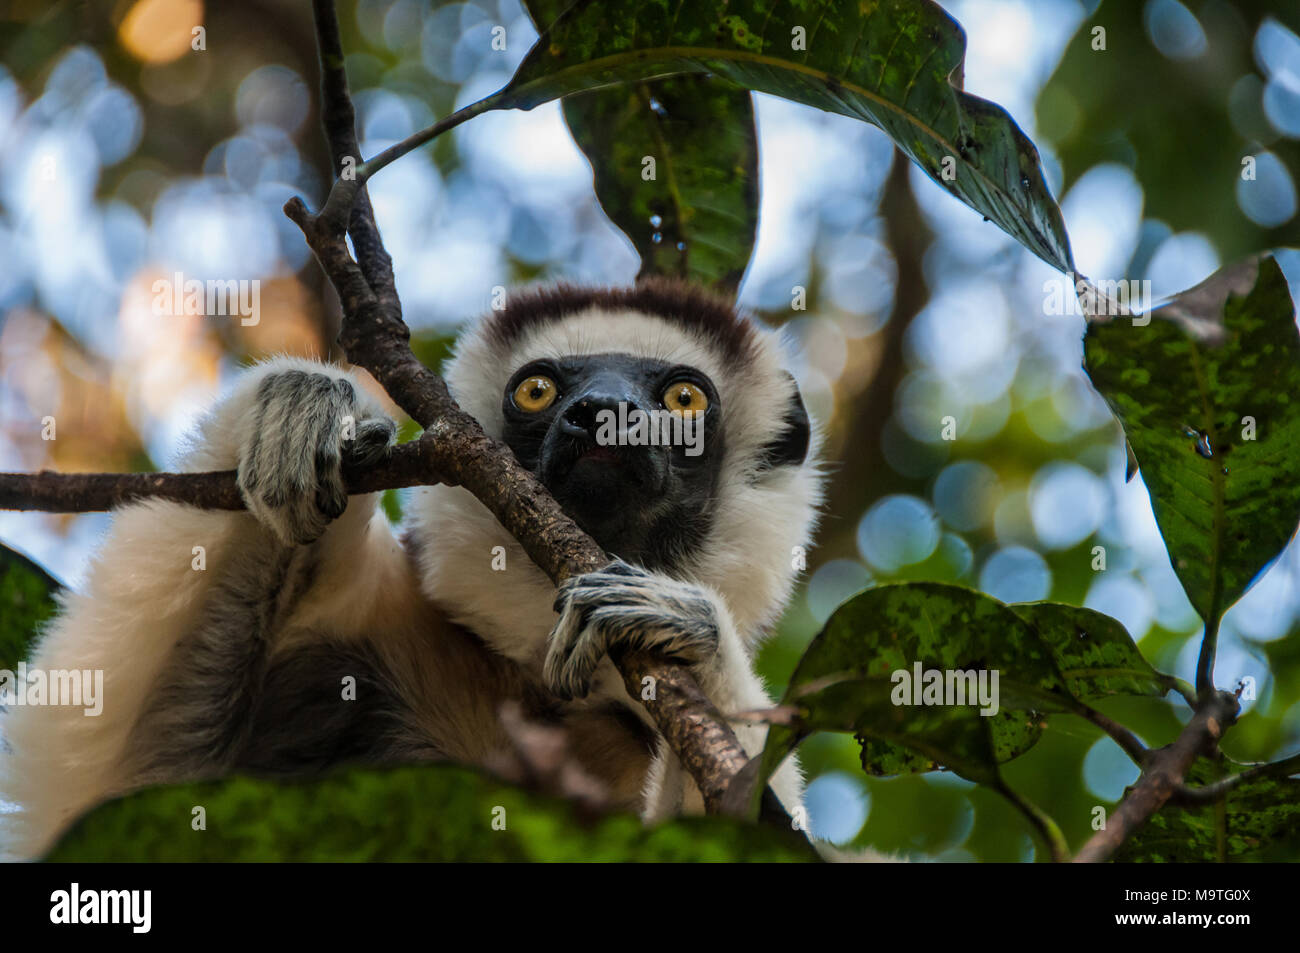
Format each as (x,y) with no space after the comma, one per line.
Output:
(563,671)
(573,666)
(291,465)
(620,568)
(374,440)
(688,638)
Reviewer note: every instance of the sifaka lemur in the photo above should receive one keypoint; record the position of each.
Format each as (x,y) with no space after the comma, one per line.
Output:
(240,665)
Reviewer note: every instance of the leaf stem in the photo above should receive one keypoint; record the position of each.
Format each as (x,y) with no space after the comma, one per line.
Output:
(1133,747)
(1213,792)
(1047,828)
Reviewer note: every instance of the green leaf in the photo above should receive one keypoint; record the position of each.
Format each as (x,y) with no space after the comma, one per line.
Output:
(844,682)
(697,218)
(893,627)
(1094,652)
(894,63)
(1256,813)
(1184,387)
(26,600)
(417,813)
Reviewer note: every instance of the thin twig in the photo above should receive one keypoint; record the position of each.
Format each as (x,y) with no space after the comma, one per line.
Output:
(1047,828)
(1133,747)
(1209,793)
(1165,770)
(411,464)
(1209,644)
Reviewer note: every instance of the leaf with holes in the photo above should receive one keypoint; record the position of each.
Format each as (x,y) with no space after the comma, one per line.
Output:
(1209,396)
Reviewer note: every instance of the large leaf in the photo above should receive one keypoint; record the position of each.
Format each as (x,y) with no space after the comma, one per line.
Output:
(422,813)
(1184,386)
(844,681)
(894,63)
(26,600)
(697,217)
(1255,814)
(1095,653)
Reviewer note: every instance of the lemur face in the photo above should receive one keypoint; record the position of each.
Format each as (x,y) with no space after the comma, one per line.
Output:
(630,447)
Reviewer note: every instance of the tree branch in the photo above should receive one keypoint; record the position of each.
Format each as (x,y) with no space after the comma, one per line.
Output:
(1209,793)
(1165,770)
(416,463)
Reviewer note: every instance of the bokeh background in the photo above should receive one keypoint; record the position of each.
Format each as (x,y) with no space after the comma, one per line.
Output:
(128,156)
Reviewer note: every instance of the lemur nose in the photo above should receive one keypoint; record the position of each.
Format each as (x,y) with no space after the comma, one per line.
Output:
(583,416)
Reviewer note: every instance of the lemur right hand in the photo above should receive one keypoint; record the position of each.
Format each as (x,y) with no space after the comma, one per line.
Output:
(301,428)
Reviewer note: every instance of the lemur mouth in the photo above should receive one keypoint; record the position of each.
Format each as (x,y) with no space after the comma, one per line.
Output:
(599,454)
(591,476)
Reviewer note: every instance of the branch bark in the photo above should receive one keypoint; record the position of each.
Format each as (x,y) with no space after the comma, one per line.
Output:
(417,463)
(1163,776)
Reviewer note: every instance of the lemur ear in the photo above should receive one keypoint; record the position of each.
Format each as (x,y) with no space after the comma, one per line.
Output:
(790,447)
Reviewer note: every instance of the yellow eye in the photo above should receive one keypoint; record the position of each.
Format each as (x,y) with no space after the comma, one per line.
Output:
(535,394)
(685,398)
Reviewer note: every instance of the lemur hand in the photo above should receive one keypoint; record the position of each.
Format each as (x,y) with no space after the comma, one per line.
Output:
(625,605)
(301,428)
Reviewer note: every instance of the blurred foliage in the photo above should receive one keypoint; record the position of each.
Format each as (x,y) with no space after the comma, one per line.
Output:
(1183,125)
(27,594)
(419,813)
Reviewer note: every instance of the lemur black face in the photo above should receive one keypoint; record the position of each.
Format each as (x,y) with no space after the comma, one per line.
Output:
(629,446)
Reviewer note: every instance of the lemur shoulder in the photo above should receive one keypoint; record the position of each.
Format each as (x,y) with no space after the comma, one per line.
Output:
(238,667)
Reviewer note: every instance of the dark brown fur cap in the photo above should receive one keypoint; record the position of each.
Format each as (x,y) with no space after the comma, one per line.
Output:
(689,306)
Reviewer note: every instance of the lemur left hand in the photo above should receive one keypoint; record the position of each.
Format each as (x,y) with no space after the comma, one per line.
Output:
(625,605)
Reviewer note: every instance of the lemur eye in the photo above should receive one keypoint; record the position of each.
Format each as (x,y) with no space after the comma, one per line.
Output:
(535,394)
(685,398)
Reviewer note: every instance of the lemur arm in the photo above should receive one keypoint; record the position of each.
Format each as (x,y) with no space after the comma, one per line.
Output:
(181,607)
(628,605)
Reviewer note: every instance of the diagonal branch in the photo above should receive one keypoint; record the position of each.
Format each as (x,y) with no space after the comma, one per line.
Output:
(375,338)
(1162,777)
